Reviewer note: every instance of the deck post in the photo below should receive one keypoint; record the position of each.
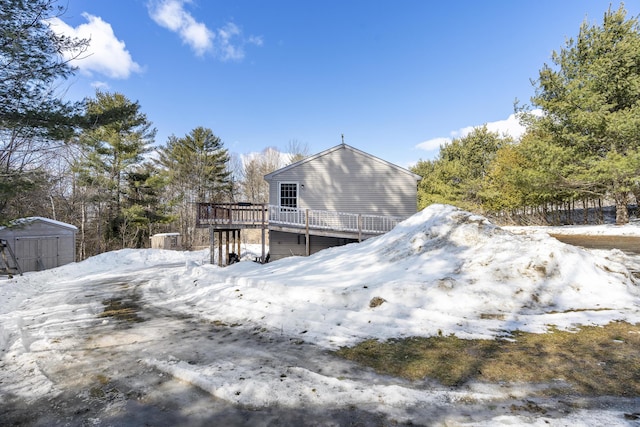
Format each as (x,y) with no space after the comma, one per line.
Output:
(219,248)
(238,242)
(212,245)
(359,227)
(227,246)
(263,231)
(306,239)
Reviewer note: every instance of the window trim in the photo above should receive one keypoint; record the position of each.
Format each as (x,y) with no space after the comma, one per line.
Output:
(280,184)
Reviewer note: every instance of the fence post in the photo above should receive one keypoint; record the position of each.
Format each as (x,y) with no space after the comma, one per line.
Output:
(359,227)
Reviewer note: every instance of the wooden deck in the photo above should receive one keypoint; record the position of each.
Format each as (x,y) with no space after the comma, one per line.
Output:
(234,216)
(226,220)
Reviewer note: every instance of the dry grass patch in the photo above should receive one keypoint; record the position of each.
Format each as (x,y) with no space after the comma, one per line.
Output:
(376,302)
(125,309)
(593,361)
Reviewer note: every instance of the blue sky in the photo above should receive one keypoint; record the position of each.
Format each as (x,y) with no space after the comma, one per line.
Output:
(395,77)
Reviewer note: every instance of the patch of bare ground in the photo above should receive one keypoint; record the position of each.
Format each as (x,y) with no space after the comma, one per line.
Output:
(590,361)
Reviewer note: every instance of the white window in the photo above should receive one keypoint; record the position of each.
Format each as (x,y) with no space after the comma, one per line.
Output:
(288,194)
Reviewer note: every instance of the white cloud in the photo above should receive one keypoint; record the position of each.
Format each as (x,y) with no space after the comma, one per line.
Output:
(226,48)
(100,85)
(433,144)
(255,40)
(171,15)
(510,126)
(225,43)
(106,54)
(270,154)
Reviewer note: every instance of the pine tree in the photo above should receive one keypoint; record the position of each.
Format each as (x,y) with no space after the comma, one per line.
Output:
(143,207)
(117,143)
(457,175)
(197,170)
(198,163)
(33,118)
(591,101)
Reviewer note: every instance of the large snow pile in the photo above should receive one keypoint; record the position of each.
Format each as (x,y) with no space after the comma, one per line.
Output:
(442,271)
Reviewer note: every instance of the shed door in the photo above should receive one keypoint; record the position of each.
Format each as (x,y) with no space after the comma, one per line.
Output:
(37,253)
(48,252)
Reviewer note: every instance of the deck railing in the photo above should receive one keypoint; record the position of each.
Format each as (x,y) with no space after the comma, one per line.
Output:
(261,215)
(253,214)
(331,220)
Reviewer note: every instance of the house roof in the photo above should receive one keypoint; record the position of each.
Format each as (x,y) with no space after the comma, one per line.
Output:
(25,221)
(342,146)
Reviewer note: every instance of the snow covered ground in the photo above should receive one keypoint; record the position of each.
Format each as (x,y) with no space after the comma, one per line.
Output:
(442,271)
(631,229)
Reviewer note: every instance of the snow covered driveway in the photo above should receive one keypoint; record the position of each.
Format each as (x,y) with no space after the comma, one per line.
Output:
(102,356)
(105,357)
(94,352)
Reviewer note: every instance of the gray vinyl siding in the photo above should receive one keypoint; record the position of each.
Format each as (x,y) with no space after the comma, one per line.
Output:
(283,244)
(345,180)
(40,245)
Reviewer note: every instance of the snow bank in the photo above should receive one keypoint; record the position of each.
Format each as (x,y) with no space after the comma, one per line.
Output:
(296,387)
(442,271)
(631,230)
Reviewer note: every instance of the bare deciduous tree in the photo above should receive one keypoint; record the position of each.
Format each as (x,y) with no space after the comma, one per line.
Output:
(254,188)
(296,150)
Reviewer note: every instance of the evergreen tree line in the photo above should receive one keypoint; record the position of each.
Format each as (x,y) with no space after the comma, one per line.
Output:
(582,151)
(95,163)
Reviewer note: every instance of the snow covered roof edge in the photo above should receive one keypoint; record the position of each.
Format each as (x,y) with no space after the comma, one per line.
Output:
(23,221)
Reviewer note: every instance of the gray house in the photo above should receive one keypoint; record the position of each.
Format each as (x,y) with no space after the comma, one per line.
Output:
(40,243)
(335,197)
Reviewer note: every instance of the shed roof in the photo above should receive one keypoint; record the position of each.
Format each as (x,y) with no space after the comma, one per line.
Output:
(25,221)
(342,146)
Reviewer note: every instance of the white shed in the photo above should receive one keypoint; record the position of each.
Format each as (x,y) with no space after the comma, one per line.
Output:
(166,241)
(40,243)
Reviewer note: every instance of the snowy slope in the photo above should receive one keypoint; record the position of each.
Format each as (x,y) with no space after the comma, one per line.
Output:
(441,271)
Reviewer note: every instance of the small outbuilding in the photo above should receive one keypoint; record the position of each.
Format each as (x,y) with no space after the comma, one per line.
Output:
(166,241)
(39,243)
